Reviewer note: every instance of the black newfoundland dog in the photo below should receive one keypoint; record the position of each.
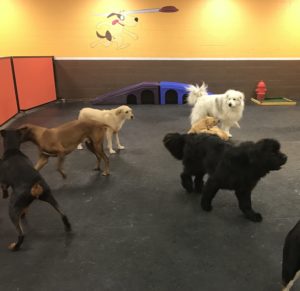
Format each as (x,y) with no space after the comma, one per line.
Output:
(237,168)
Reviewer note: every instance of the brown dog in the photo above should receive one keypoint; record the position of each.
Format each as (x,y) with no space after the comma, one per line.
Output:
(62,140)
(208,125)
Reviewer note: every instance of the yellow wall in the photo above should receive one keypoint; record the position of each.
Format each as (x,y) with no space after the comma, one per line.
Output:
(201,28)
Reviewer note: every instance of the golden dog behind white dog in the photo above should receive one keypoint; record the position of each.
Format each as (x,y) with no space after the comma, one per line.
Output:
(208,125)
(204,123)
(114,118)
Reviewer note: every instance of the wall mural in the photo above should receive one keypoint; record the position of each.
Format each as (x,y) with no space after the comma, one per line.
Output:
(117,28)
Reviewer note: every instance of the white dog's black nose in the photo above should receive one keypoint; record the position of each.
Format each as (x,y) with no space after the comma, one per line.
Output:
(229,104)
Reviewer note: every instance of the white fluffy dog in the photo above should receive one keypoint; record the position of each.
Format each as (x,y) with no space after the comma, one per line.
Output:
(114,118)
(227,107)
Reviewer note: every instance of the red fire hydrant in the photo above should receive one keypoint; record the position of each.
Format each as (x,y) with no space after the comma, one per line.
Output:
(261,90)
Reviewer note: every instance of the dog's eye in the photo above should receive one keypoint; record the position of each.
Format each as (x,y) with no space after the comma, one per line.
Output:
(126,111)
(233,99)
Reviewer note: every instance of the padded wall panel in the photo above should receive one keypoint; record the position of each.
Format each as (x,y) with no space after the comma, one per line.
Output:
(8,100)
(87,79)
(35,81)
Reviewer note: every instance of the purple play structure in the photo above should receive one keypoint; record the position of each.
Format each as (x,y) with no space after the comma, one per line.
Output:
(141,93)
(146,93)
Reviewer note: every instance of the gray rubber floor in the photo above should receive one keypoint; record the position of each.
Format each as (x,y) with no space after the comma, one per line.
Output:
(137,230)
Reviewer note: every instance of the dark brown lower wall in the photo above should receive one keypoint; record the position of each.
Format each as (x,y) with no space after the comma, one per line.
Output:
(86,79)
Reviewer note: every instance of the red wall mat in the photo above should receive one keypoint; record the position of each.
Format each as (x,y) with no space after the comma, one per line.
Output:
(35,81)
(8,100)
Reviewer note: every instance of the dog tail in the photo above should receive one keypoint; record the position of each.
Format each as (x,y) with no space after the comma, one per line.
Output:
(195,92)
(174,142)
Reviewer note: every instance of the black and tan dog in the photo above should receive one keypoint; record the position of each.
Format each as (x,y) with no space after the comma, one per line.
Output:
(62,140)
(17,172)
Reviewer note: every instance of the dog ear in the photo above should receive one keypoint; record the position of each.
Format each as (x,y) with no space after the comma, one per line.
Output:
(3,132)
(216,121)
(227,95)
(119,111)
(253,156)
(207,123)
(22,131)
(245,154)
(267,144)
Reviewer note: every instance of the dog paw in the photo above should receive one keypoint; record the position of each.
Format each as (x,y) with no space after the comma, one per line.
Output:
(67,224)
(105,173)
(13,246)
(120,147)
(63,174)
(206,205)
(112,151)
(68,228)
(188,187)
(255,217)
(187,183)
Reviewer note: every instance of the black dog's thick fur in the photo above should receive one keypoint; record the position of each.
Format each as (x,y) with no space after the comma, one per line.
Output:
(17,172)
(237,168)
(291,257)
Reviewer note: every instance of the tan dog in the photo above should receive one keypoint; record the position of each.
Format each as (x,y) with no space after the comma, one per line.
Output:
(208,125)
(62,140)
(204,123)
(114,118)
(217,131)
